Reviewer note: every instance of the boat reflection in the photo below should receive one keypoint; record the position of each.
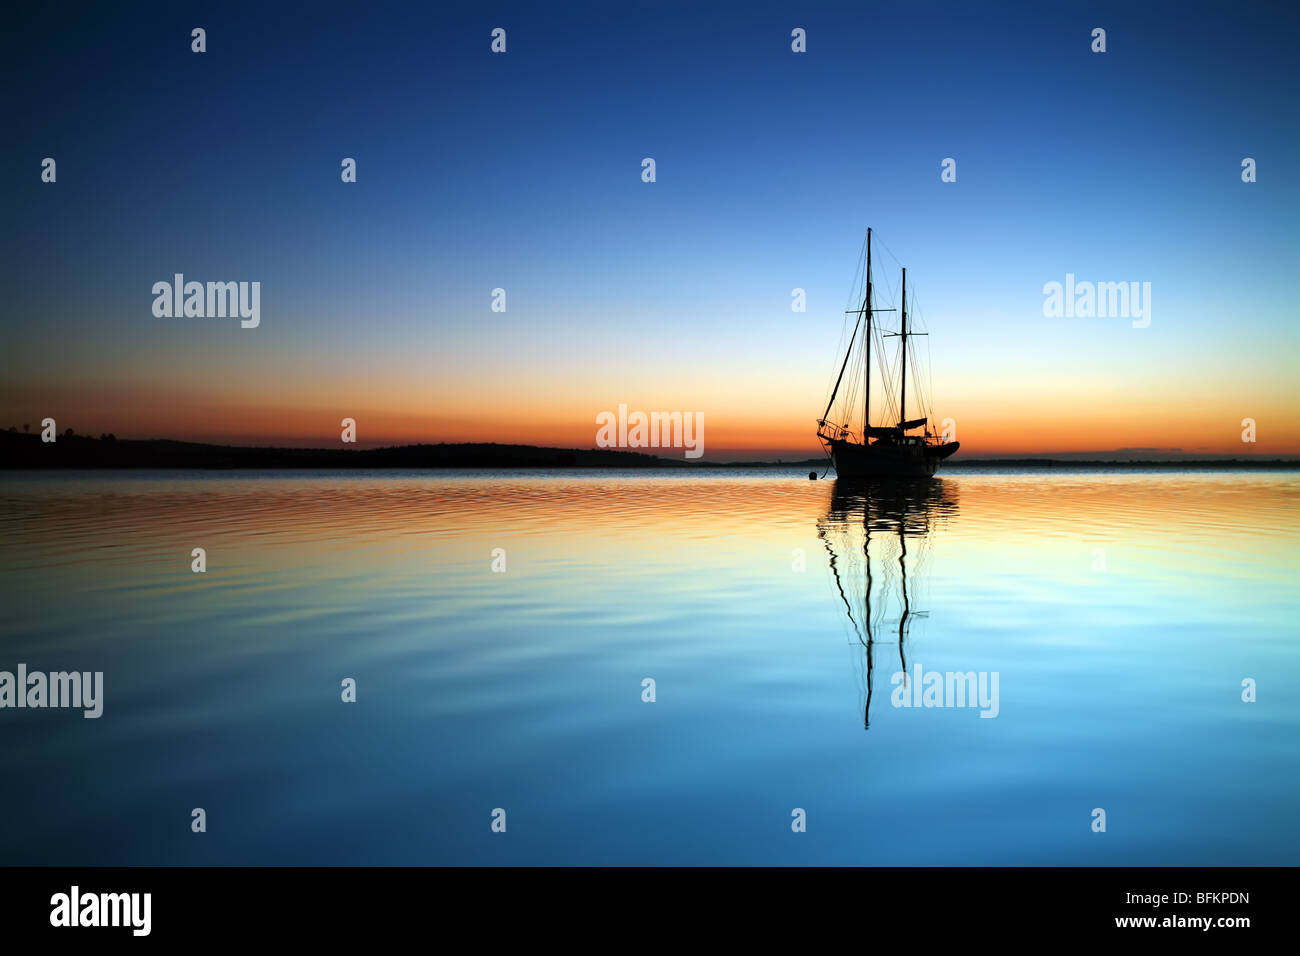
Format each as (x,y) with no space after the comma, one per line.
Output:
(877,536)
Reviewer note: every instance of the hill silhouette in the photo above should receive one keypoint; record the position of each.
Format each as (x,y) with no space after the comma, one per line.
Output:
(21,450)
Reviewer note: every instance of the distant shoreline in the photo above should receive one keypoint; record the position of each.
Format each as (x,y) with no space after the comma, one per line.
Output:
(21,451)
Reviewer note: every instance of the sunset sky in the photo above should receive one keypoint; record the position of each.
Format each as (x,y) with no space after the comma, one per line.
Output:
(523,171)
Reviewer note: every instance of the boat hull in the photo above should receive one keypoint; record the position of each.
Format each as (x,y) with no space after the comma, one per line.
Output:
(884,459)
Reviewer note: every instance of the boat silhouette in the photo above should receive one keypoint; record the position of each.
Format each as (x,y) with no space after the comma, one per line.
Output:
(880,451)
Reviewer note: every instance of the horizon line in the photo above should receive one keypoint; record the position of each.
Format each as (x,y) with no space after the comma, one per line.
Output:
(1101,456)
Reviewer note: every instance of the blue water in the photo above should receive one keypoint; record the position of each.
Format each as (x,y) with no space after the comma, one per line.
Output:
(1121,611)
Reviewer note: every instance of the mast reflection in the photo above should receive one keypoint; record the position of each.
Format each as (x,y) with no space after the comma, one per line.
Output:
(877,536)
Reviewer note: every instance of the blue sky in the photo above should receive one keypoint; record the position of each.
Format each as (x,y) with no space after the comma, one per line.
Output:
(522,171)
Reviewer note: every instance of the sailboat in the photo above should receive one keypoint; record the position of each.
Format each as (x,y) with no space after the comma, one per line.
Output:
(887,450)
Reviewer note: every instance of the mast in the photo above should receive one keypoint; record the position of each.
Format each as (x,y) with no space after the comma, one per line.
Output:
(866,362)
(902,392)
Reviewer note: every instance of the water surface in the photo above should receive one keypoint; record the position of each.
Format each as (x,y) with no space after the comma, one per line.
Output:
(1121,612)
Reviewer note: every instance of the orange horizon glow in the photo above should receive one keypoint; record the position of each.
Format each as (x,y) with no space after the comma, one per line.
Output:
(984,426)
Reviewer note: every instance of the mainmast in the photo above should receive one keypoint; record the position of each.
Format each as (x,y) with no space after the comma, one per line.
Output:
(902,392)
(866,363)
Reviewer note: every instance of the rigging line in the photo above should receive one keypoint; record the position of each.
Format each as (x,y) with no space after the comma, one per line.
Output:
(845,412)
(880,376)
(891,253)
(922,374)
(846,362)
(927,366)
(839,345)
(854,298)
(916,390)
(887,377)
(862,261)
(892,298)
(928,369)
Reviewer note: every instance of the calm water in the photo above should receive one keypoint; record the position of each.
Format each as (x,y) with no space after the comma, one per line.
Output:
(1120,611)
